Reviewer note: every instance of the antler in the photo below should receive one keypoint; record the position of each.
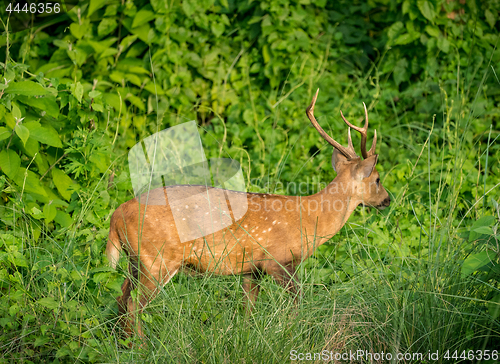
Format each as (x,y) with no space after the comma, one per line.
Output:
(363,132)
(349,152)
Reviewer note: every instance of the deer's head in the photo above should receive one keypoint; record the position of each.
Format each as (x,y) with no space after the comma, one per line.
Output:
(358,177)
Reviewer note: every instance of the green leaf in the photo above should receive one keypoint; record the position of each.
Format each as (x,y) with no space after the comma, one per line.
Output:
(265,54)
(30,181)
(79,30)
(46,135)
(248,117)
(395,29)
(22,132)
(48,302)
(433,31)
(102,46)
(41,340)
(47,104)
(127,41)
(63,351)
(476,261)
(106,26)
(18,259)
(62,182)
(49,212)
(95,5)
(188,8)
(94,94)
(26,88)
(9,162)
(101,160)
(484,221)
(78,91)
(114,101)
(406,6)
(36,213)
(115,285)
(217,29)
(406,38)
(16,112)
(427,9)
(484,230)
(4,133)
(31,147)
(63,219)
(494,307)
(490,18)
(14,309)
(443,44)
(143,16)
(134,100)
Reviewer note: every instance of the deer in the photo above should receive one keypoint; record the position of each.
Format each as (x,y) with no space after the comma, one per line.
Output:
(273,237)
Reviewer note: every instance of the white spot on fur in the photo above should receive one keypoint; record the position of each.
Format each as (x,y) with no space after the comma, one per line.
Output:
(269,229)
(274,222)
(260,238)
(187,206)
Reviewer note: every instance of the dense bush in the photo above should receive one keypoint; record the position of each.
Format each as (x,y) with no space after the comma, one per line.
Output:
(78,93)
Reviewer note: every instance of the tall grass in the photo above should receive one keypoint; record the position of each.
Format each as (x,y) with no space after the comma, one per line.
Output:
(371,290)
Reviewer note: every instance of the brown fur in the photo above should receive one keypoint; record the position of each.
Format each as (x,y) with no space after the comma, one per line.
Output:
(273,237)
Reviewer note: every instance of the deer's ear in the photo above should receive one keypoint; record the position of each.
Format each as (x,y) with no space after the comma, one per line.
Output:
(338,160)
(366,166)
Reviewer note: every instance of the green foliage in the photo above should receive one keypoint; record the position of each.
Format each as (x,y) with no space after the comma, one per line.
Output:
(77,94)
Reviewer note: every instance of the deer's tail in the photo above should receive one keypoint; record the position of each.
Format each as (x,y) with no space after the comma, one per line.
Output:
(114,245)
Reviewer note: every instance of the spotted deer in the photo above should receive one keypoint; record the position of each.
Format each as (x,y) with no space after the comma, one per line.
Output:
(275,234)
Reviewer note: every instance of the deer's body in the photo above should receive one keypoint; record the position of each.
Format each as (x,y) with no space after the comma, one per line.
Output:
(273,236)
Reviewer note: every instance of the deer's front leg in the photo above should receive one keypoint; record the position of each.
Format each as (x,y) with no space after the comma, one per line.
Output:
(285,277)
(251,288)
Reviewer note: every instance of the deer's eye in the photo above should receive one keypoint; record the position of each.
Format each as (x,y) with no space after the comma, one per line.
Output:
(378,181)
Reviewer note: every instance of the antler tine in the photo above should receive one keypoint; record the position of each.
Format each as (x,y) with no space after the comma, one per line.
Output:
(363,132)
(374,143)
(348,152)
(349,139)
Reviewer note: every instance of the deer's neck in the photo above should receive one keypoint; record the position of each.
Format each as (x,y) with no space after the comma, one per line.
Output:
(329,209)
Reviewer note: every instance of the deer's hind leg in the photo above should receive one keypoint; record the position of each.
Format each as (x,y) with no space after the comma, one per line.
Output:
(251,288)
(285,277)
(123,301)
(151,278)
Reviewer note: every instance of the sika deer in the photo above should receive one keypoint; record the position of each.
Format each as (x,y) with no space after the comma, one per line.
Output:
(275,234)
